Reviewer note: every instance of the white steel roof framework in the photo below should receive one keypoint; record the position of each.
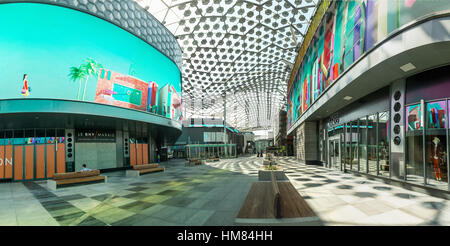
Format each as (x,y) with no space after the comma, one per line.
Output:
(242,48)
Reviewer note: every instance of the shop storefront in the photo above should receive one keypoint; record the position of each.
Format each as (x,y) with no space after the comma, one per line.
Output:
(358,137)
(38,153)
(29,154)
(106,93)
(371,84)
(426,114)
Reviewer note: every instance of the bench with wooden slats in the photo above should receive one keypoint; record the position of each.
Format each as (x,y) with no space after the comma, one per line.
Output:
(193,162)
(65,179)
(138,170)
(275,203)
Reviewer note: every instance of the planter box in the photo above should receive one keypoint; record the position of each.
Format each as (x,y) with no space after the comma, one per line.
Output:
(264,175)
(267,162)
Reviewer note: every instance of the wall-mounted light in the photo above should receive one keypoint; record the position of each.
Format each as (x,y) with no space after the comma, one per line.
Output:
(407,67)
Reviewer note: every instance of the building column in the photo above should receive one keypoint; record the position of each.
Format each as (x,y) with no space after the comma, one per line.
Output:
(120,151)
(397,131)
(307,143)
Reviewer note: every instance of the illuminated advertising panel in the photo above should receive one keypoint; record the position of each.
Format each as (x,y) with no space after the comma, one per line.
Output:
(339,35)
(54,52)
(121,90)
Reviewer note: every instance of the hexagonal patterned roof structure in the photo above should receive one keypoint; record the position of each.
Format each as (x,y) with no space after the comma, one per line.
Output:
(241,50)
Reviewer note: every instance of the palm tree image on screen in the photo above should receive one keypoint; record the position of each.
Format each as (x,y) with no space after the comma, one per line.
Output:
(77,74)
(90,67)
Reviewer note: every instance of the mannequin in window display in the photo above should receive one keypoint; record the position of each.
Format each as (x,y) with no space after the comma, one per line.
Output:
(436,159)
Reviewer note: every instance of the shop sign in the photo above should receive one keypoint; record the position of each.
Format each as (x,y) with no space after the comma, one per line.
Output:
(334,120)
(95,136)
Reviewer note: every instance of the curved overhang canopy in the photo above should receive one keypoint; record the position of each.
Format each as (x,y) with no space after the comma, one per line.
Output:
(55,106)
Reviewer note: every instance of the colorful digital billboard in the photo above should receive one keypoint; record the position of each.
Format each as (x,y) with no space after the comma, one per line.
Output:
(60,53)
(121,90)
(340,35)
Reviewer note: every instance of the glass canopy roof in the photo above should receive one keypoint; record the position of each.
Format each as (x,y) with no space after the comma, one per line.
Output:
(244,49)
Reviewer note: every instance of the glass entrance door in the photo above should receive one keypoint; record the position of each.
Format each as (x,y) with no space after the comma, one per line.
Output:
(335,154)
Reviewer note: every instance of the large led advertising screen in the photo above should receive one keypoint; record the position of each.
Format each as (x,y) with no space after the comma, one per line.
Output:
(48,51)
(342,33)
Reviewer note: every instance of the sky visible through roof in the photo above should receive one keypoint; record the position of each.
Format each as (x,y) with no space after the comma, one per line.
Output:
(243,49)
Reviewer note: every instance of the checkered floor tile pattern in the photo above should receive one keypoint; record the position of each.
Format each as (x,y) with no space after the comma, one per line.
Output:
(347,199)
(212,194)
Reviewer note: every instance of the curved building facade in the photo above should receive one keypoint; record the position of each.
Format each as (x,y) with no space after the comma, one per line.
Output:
(84,82)
(368,92)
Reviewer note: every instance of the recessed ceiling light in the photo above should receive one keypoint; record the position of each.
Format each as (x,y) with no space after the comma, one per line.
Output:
(408,67)
(348,98)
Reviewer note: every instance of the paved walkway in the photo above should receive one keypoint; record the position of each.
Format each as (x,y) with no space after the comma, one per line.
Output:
(212,194)
(347,199)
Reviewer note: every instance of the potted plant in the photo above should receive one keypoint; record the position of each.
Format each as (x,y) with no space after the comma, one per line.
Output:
(264,172)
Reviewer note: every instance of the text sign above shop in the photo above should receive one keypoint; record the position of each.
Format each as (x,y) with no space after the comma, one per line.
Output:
(96,136)
(334,120)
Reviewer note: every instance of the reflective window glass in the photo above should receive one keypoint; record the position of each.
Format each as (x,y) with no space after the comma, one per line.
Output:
(414,144)
(362,145)
(383,143)
(414,117)
(372,143)
(436,145)
(354,145)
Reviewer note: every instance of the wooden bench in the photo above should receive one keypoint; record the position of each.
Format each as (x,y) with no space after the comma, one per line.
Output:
(212,159)
(275,203)
(193,162)
(138,170)
(66,179)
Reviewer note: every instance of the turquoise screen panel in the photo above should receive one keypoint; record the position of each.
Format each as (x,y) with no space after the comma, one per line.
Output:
(347,31)
(64,53)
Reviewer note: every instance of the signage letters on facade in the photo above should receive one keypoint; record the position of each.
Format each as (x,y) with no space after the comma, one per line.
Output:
(7,161)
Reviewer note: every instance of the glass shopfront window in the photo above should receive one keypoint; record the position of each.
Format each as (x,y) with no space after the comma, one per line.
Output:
(50,136)
(414,144)
(19,137)
(342,149)
(29,136)
(347,145)
(383,143)
(372,143)
(32,136)
(354,145)
(363,144)
(322,145)
(436,144)
(3,140)
(8,137)
(334,141)
(60,136)
(339,146)
(40,136)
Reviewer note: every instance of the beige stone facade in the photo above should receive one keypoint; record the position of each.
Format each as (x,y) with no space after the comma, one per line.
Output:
(307,145)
